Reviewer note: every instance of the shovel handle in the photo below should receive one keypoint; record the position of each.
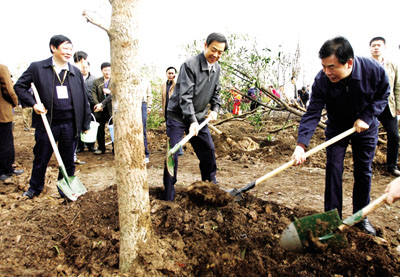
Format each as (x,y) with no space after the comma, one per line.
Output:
(361,214)
(187,138)
(48,130)
(307,154)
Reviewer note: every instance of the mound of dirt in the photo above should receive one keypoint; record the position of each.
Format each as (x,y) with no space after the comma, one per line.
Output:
(189,238)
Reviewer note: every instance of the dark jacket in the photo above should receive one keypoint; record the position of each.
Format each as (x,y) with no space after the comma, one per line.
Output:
(195,88)
(363,95)
(98,96)
(41,73)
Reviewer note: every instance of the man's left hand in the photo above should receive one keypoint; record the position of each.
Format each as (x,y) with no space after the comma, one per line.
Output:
(360,126)
(213,115)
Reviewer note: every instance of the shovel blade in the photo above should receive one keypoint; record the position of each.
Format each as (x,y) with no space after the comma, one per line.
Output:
(170,160)
(308,231)
(72,187)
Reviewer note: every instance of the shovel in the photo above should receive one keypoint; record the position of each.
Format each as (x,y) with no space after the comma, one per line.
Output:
(71,186)
(237,193)
(323,228)
(171,152)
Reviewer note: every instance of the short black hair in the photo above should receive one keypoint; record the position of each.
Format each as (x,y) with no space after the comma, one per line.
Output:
(338,46)
(171,67)
(79,55)
(106,64)
(57,40)
(375,39)
(217,37)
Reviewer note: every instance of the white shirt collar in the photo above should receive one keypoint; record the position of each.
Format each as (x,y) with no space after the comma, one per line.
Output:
(58,69)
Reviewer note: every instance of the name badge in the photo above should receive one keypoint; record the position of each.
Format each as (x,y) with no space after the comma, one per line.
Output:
(62,92)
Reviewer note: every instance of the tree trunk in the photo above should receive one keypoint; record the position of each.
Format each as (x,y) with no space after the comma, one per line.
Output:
(133,191)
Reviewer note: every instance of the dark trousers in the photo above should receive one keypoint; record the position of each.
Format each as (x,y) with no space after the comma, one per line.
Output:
(102,118)
(64,134)
(363,147)
(392,130)
(7,153)
(203,146)
(144,121)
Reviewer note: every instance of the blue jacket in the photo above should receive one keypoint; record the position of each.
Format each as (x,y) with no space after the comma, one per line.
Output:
(195,88)
(363,95)
(42,75)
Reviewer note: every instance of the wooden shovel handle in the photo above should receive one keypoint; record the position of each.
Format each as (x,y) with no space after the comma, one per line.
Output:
(48,129)
(307,154)
(186,139)
(364,212)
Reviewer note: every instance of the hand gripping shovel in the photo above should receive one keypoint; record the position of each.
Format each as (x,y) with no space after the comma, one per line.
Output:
(237,193)
(323,228)
(171,152)
(71,186)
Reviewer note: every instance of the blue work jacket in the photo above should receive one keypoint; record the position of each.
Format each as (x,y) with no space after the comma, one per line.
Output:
(363,95)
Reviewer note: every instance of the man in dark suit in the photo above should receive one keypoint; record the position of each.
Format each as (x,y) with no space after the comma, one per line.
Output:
(62,92)
(101,94)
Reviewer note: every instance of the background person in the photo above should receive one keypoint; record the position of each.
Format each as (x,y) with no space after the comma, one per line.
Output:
(8,100)
(388,117)
(101,91)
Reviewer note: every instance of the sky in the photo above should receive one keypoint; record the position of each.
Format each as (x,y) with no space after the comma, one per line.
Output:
(166,25)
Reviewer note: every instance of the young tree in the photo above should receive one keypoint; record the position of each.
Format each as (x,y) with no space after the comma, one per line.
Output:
(133,194)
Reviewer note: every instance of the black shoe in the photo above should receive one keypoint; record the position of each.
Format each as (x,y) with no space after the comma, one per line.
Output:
(28,194)
(91,149)
(4,177)
(18,171)
(366,226)
(394,172)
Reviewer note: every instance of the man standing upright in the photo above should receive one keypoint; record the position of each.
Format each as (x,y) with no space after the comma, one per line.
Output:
(197,87)
(62,92)
(388,117)
(101,91)
(354,91)
(8,100)
(167,89)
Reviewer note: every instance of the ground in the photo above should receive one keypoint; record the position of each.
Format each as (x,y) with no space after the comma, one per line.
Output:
(194,235)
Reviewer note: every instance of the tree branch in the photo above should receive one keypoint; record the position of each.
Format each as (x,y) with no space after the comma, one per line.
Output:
(92,20)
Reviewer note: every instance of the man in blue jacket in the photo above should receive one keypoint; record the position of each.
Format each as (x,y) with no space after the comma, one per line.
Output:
(62,91)
(197,87)
(354,91)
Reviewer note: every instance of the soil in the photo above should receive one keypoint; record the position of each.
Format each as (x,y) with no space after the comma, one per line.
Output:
(201,233)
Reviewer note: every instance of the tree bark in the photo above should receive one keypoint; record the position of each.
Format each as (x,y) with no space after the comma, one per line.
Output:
(133,191)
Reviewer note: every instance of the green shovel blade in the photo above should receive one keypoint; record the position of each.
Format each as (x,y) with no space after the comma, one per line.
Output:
(320,228)
(71,186)
(170,160)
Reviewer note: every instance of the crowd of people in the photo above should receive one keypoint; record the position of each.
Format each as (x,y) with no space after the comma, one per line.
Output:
(355,91)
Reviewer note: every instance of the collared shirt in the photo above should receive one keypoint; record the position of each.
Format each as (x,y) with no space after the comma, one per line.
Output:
(363,95)
(59,69)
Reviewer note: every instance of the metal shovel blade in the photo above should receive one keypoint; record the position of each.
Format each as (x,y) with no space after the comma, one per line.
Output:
(308,231)
(72,187)
(170,160)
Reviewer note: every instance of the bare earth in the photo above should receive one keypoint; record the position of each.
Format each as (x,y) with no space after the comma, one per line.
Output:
(193,236)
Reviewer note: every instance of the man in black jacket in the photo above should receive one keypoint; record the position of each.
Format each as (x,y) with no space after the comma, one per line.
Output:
(197,87)
(62,91)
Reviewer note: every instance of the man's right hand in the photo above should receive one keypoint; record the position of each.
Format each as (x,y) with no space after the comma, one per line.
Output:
(298,155)
(194,128)
(394,191)
(98,107)
(39,109)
